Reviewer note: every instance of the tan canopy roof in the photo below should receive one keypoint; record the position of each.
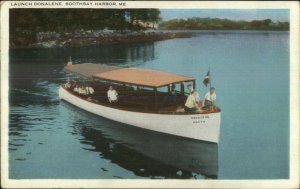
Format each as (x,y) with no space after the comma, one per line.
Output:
(135,76)
(89,69)
(142,77)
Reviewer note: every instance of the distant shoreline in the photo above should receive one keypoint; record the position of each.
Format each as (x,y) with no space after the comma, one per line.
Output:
(198,23)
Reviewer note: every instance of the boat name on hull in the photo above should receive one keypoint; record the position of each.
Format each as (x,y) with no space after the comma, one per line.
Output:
(200,119)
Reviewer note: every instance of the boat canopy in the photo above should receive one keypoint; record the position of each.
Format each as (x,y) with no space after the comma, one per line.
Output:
(142,77)
(134,76)
(88,69)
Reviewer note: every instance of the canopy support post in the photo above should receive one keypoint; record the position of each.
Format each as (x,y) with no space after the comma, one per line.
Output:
(194,84)
(182,88)
(155,97)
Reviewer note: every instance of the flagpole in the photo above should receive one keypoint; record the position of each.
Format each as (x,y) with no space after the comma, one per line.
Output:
(209,84)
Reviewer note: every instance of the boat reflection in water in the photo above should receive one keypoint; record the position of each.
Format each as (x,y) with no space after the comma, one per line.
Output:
(147,153)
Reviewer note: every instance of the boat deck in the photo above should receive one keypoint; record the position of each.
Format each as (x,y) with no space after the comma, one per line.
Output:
(141,100)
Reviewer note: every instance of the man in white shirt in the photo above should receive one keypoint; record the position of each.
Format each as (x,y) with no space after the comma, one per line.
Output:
(197,97)
(191,104)
(210,97)
(112,95)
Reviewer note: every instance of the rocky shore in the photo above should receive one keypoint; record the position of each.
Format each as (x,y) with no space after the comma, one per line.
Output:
(93,37)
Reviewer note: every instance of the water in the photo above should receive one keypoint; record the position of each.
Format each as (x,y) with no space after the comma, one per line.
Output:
(50,139)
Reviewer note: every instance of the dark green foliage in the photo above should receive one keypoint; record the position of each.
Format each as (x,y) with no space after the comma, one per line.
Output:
(26,23)
(222,24)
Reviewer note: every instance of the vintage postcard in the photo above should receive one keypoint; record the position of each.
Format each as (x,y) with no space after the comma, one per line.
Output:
(152,94)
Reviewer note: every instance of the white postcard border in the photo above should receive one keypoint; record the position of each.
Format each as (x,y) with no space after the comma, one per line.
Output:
(293,182)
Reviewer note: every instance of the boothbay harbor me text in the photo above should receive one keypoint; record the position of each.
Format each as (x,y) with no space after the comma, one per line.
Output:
(105,3)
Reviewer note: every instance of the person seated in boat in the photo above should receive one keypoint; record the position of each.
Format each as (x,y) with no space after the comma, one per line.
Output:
(197,97)
(81,90)
(68,85)
(89,90)
(191,104)
(76,89)
(210,100)
(73,84)
(112,95)
(210,97)
(84,91)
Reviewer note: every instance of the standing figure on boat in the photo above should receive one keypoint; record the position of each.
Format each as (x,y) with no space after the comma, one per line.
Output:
(210,97)
(112,95)
(197,97)
(191,104)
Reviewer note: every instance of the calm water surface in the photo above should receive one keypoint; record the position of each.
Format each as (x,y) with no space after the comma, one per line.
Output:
(49,138)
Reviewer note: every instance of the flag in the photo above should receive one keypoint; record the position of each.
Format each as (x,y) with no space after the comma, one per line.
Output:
(206,79)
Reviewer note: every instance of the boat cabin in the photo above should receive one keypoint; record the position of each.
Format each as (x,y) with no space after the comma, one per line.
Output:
(138,89)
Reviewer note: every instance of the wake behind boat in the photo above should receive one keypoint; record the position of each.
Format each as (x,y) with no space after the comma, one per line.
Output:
(145,98)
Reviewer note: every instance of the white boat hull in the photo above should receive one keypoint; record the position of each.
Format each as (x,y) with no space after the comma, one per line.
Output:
(204,127)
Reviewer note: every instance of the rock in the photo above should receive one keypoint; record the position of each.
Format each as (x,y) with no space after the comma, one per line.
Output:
(49,44)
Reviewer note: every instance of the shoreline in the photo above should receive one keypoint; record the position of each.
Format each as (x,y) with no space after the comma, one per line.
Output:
(81,38)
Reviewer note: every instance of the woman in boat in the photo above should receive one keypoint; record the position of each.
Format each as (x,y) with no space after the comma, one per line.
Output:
(112,95)
(191,104)
(80,90)
(89,90)
(76,88)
